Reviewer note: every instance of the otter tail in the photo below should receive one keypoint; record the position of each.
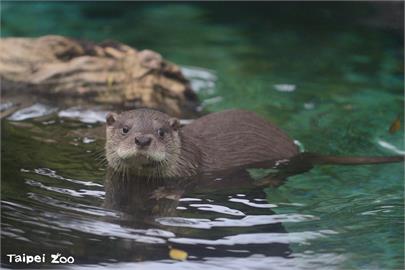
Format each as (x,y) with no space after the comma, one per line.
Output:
(304,162)
(345,160)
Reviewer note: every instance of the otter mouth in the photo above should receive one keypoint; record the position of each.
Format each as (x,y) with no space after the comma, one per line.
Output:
(142,160)
(150,164)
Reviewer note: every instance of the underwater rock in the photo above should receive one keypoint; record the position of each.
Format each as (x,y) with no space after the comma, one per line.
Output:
(108,73)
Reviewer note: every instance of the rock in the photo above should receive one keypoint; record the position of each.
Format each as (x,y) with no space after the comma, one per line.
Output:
(108,73)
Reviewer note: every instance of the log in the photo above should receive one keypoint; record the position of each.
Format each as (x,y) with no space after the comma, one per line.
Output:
(106,73)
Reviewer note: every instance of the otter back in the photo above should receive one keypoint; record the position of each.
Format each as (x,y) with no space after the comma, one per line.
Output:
(236,137)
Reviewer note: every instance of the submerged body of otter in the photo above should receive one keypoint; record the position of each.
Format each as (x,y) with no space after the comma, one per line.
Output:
(150,143)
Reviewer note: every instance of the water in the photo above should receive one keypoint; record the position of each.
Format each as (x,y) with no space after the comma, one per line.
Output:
(319,71)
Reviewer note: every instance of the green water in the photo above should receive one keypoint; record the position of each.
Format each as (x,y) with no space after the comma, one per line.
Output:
(343,82)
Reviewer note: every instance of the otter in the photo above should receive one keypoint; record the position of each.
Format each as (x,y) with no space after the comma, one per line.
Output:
(151,144)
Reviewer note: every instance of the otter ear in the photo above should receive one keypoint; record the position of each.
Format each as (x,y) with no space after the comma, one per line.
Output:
(174,123)
(111,118)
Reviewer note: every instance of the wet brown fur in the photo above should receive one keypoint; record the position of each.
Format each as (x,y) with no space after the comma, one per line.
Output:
(214,142)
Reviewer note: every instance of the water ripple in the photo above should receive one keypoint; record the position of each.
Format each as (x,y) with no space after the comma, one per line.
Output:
(80,193)
(252,204)
(52,174)
(34,111)
(247,221)
(218,209)
(76,207)
(84,115)
(257,238)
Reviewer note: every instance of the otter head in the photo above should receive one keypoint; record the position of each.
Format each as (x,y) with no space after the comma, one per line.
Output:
(142,142)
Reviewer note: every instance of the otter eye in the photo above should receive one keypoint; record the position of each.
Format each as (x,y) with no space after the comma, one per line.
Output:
(161,132)
(125,130)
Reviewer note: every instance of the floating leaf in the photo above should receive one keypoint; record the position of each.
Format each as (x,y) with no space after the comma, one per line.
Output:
(177,254)
(395,126)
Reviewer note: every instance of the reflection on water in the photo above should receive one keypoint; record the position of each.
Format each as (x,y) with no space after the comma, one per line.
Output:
(300,261)
(332,82)
(33,111)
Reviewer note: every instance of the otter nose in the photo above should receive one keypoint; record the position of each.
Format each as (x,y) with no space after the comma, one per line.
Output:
(143,140)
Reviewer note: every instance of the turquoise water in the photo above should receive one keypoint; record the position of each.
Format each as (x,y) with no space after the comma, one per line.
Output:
(319,71)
